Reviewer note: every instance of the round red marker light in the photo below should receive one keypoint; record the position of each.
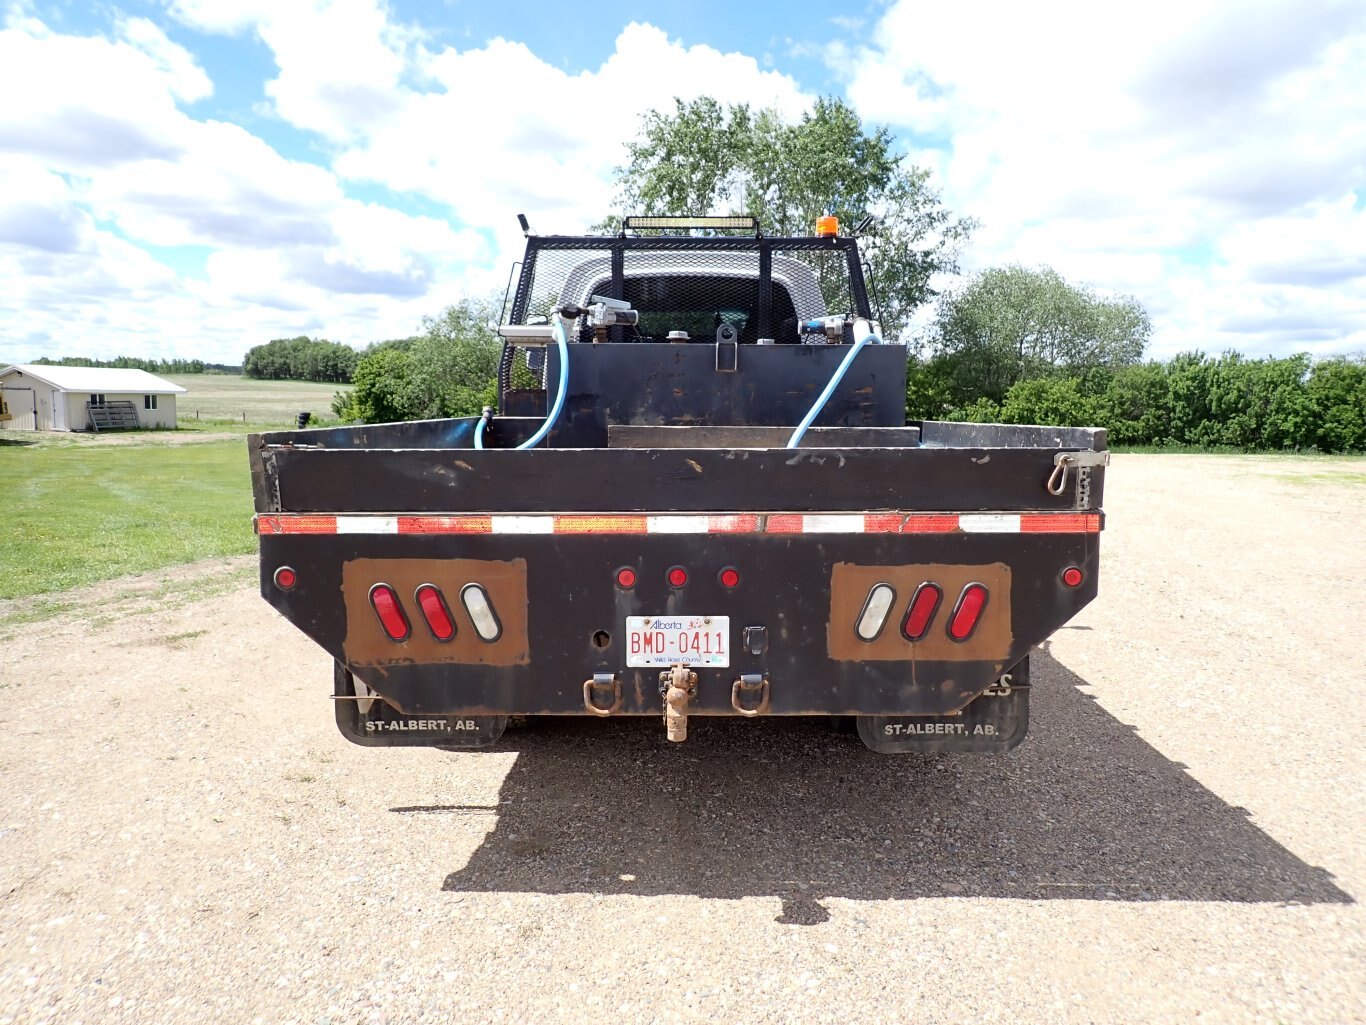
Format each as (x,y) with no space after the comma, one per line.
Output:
(626,577)
(730,577)
(1071,576)
(286,578)
(678,576)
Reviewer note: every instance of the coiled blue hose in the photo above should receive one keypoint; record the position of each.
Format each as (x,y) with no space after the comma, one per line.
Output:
(824,397)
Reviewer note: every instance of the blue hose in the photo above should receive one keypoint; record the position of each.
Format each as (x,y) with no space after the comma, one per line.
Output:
(484,419)
(563,343)
(835,379)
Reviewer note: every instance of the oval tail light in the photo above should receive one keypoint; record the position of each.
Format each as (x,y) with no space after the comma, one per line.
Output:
(433,605)
(968,612)
(389,612)
(485,620)
(920,616)
(876,608)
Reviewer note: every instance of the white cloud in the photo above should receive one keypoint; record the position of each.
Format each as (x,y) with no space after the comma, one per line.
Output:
(103,158)
(1150,150)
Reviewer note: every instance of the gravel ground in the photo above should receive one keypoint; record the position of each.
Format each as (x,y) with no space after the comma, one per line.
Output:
(184,837)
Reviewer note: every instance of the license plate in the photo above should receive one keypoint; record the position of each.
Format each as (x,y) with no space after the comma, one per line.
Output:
(667,640)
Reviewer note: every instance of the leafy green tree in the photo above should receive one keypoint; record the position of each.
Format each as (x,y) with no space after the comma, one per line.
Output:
(1337,388)
(380,390)
(1135,405)
(704,158)
(301,359)
(929,389)
(450,369)
(454,360)
(1012,324)
(1056,401)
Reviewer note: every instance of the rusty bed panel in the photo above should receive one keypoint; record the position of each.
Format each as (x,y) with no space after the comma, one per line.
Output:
(505,581)
(849,587)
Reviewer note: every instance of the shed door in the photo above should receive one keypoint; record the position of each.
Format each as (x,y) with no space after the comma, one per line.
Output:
(59,401)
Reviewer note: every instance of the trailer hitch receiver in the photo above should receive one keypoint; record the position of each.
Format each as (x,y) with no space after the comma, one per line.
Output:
(678,686)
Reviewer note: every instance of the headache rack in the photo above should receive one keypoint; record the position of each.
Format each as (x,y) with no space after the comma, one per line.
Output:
(761,286)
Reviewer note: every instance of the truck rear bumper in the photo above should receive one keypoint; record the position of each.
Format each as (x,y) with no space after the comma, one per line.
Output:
(794,617)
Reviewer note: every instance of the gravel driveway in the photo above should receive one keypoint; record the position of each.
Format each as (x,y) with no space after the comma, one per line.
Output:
(184,837)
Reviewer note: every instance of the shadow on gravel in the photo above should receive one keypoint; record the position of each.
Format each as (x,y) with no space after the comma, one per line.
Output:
(1084,809)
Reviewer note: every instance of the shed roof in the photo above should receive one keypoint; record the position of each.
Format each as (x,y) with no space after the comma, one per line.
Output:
(97,379)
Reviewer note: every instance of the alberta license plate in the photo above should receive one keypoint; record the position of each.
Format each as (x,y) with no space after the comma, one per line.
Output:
(666,640)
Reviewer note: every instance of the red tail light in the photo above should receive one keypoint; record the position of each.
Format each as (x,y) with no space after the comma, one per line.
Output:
(434,611)
(921,613)
(678,576)
(967,612)
(626,578)
(390,612)
(729,577)
(1071,576)
(286,578)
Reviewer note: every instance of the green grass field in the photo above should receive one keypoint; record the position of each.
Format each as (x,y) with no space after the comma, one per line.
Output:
(78,514)
(214,399)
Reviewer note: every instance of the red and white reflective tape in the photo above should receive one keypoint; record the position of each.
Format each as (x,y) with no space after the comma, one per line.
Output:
(682,523)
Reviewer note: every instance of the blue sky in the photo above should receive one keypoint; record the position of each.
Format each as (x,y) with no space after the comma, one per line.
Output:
(193,177)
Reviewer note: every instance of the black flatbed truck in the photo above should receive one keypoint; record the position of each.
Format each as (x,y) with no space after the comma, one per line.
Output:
(661,550)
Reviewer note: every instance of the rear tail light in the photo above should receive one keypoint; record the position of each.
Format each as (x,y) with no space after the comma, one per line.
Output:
(1072,577)
(920,615)
(967,612)
(626,578)
(434,611)
(729,577)
(678,576)
(875,611)
(390,612)
(286,578)
(477,604)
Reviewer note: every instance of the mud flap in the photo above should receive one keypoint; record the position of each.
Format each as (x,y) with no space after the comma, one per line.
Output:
(996,721)
(370,722)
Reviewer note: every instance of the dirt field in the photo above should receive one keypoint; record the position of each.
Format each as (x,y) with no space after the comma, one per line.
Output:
(184,837)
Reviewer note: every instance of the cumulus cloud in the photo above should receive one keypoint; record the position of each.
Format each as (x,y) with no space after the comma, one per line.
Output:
(1206,156)
(1116,142)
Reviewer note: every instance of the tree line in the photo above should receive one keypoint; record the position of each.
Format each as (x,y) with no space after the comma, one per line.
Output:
(301,359)
(152,366)
(1225,401)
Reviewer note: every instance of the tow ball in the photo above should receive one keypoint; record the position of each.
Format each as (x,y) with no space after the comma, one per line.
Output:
(678,686)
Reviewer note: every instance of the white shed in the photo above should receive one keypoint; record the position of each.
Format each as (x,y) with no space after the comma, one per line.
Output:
(48,398)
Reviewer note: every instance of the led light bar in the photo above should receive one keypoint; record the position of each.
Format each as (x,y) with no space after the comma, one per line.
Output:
(738,223)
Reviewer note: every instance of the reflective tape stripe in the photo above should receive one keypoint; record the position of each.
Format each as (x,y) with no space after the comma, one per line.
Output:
(838,523)
(929,524)
(445,524)
(678,525)
(523,525)
(704,523)
(367,524)
(296,524)
(608,524)
(989,523)
(1060,523)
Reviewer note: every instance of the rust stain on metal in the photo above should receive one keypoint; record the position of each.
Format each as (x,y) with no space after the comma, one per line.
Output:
(849,587)
(504,582)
